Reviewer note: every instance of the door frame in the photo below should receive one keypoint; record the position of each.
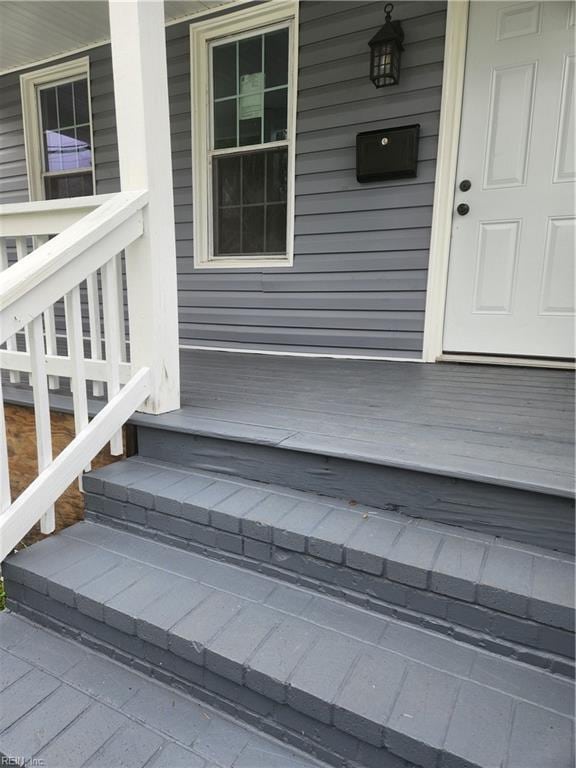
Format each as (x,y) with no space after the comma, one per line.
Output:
(443,206)
(445,181)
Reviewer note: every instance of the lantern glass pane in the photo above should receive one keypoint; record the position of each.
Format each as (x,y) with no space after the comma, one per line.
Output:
(385,59)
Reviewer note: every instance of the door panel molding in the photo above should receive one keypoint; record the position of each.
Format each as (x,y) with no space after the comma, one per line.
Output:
(509,118)
(494,279)
(564,163)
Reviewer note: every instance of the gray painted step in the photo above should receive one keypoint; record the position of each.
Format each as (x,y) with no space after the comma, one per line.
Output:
(510,598)
(66,705)
(357,685)
(350,468)
(485,447)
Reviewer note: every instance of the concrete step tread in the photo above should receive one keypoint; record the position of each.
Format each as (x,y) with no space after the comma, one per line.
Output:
(66,705)
(502,575)
(386,683)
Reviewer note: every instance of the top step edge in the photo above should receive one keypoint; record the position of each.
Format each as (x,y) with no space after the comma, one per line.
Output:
(273,437)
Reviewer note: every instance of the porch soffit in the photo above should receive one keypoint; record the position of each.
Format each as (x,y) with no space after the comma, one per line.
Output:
(33,31)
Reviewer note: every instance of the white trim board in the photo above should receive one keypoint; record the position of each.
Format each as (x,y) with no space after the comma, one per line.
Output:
(519,362)
(282,353)
(444,187)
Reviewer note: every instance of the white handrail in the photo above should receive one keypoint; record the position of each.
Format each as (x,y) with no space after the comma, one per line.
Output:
(46,217)
(29,288)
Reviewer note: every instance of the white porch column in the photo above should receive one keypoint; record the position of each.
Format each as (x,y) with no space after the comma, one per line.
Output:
(142,118)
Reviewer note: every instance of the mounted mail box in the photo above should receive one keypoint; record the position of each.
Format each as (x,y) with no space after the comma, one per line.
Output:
(387,154)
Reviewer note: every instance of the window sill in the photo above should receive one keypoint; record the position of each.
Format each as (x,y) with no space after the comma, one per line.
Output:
(223,263)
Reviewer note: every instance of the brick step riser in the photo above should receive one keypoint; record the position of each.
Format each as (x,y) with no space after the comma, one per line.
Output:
(276,718)
(542,646)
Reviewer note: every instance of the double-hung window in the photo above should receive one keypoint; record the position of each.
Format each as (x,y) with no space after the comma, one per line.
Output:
(243,117)
(58,130)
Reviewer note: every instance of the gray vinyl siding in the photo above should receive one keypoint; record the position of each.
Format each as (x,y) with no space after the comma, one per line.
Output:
(361,250)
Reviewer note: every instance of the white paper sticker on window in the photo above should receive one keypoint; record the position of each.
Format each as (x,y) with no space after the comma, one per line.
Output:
(251,87)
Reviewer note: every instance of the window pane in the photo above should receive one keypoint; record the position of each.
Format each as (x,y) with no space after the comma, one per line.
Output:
(83,147)
(56,187)
(253,178)
(225,124)
(69,149)
(65,105)
(275,115)
(250,131)
(224,67)
(276,58)
(80,184)
(276,228)
(49,108)
(253,229)
(81,101)
(73,185)
(227,177)
(228,233)
(250,56)
(277,175)
(52,151)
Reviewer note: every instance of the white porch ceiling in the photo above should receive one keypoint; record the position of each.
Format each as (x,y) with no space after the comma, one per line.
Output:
(35,30)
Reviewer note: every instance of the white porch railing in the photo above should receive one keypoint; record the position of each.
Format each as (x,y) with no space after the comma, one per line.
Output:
(90,233)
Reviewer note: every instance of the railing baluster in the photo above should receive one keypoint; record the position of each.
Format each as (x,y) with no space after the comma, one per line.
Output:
(95,328)
(112,340)
(21,252)
(76,352)
(41,410)
(120,293)
(11,343)
(5,497)
(49,324)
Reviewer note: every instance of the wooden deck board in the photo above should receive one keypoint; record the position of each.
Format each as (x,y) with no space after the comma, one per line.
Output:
(512,426)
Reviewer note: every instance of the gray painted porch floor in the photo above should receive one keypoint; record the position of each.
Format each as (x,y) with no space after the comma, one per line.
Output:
(511,426)
(506,425)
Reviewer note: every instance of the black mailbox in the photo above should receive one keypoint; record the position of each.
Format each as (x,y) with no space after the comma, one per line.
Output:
(387,154)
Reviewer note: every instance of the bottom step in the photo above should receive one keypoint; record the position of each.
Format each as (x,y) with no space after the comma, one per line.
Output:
(62,704)
(351,687)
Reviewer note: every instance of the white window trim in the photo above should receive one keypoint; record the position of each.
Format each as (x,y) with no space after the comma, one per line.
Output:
(445,182)
(29,83)
(201,35)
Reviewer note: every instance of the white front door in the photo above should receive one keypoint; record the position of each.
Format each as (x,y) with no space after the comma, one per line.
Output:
(511,273)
